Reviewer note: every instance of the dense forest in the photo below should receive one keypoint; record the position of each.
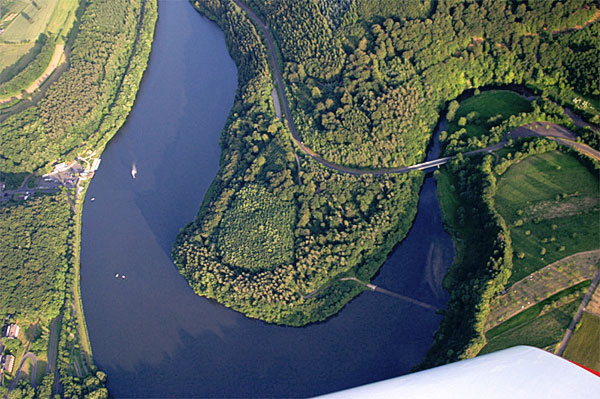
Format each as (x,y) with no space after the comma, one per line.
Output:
(328,226)
(368,93)
(34,257)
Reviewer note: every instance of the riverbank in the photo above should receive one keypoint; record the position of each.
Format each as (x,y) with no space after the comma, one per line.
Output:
(557,177)
(74,350)
(134,73)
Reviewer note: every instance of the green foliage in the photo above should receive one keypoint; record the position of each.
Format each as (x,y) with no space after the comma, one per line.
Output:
(365,82)
(256,231)
(34,259)
(483,263)
(389,68)
(488,117)
(590,137)
(44,390)
(340,224)
(487,109)
(23,390)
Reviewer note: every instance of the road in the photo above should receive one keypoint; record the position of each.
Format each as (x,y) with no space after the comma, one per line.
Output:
(34,359)
(586,299)
(53,344)
(367,171)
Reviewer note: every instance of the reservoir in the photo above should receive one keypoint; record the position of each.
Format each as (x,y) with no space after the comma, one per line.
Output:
(149,332)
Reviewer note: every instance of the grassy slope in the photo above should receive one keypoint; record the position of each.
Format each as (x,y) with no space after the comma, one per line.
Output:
(541,181)
(63,18)
(486,105)
(584,346)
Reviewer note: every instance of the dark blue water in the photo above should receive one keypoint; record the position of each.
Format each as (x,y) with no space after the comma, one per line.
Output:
(150,332)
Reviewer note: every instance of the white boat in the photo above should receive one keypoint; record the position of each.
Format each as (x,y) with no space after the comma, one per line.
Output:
(133,171)
(117,275)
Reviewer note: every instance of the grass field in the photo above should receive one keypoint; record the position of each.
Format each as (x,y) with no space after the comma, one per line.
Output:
(11,53)
(544,331)
(30,20)
(63,18)
(55,18)
(551,201)
(584,346)
(488,109)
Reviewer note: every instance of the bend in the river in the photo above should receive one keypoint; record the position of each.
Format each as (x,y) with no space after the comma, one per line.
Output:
(150,332)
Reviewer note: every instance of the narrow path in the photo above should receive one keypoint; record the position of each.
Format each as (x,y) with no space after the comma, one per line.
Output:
(374,288)
(270,44)
(393,294)
(586,299)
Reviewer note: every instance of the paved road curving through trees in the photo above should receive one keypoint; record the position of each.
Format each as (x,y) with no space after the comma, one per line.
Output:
(380,171)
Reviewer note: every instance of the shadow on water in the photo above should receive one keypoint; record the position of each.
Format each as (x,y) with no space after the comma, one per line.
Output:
(155,337)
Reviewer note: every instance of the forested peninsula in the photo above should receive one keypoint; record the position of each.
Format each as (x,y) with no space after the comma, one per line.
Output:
(366,82)
(39,264)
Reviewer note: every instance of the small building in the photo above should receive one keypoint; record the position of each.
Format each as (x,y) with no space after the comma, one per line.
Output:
(61,167)
(8,362)
(12,331)
(96,164)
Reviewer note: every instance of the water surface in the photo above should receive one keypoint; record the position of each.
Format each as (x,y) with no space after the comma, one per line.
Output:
(150,332)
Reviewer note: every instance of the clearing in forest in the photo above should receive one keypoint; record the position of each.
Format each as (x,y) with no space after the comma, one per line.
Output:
(477,114)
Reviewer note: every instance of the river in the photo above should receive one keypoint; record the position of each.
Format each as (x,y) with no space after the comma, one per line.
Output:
(152,335)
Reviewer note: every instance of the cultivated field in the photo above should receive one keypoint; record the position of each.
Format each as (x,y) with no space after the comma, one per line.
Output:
(543,284)
(12,52)
(551,203)
(29,21)
(542,326)
(23,21)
